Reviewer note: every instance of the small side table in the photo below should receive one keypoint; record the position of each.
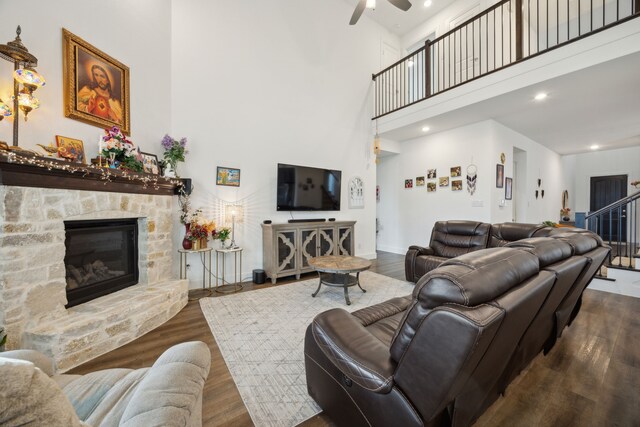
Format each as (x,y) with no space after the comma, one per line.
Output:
(206,284)
(226,287)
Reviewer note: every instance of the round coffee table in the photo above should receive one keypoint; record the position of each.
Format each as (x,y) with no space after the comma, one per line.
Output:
(334,270)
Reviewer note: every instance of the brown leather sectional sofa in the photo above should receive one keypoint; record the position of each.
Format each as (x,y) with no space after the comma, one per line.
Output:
(444,354)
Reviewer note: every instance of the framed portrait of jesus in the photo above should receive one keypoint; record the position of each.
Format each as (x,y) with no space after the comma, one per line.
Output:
(96,86)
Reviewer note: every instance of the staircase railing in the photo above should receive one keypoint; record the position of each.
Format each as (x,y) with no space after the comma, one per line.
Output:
(506,33)
(617,224)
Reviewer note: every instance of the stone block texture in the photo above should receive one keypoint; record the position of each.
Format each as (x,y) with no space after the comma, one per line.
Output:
(32,273)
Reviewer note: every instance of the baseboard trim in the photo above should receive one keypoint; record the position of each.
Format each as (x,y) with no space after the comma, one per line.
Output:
(392,249)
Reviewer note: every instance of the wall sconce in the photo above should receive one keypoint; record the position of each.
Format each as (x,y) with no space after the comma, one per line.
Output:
(234,214)
(24,74)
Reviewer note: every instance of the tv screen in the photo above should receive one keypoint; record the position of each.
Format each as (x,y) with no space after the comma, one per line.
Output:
(302,188)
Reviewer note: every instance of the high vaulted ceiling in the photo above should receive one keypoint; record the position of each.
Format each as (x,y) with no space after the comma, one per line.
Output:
(397,21)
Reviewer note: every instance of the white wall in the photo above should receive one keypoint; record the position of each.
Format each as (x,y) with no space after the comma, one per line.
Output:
(581,167)
(137,34)
(406,216)
(283,82)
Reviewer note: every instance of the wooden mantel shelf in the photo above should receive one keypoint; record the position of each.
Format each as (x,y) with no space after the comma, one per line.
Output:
(27,170)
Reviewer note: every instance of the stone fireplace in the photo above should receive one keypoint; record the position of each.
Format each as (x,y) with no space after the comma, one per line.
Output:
(34,279)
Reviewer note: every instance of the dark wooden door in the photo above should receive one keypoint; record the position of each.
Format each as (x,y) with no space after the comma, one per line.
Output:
(604,191)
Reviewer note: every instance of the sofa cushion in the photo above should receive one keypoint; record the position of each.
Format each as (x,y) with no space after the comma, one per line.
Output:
(502,234)
(467,280)
(103,393)
(426,263)
(29,397)
(548,250)
(581,242)
(450,239)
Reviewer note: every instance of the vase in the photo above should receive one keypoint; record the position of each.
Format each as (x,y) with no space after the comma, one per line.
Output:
(203,243)
(169,171)
(222,244)
(195,245)
(186,243)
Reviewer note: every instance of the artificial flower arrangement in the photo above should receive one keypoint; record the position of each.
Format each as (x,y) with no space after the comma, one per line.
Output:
(174,151)
(115,147)
(565,211)
(201,228)
(635,184)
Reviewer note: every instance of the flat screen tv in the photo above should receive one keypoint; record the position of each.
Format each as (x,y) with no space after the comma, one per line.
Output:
(302,188)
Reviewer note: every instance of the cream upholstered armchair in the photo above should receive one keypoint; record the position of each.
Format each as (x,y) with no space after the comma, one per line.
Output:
(167,394)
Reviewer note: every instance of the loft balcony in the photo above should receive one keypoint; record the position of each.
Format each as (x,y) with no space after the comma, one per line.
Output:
(506,34)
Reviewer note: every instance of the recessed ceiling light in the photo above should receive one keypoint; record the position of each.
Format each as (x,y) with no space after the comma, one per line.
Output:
(594,147)
(371,4)
(540,96)
(428,3)
(425,129)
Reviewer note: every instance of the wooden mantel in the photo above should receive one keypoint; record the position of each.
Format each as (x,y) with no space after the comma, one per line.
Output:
(25,170)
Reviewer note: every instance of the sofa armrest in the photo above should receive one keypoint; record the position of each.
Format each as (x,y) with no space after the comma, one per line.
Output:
(41,361)
(354,350)
(421,250)
(171,391)
(410,261)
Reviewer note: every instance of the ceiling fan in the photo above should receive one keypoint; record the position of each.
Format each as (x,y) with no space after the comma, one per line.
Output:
(371,4)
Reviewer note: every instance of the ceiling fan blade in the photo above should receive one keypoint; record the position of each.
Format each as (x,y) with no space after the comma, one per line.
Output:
(401,4)
(358,12)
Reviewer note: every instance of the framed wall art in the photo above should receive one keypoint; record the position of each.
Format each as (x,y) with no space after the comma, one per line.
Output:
(456,171)
(96,86)
(356,193)
(432,174)
(150,163)
(508,188)
(499,175)
(443,181)
(456,185)
(431,187)
(70,149)
(420,181)
(228,176)
(408,183)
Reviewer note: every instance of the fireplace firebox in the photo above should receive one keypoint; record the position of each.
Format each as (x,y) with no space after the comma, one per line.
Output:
(101,257)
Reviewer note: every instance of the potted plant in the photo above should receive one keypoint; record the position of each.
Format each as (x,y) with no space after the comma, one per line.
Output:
(119,151)
(223,235)
(174,151)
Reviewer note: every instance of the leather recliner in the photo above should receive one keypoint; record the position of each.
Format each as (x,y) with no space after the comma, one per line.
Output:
(449,239)
(430,359)
(445,354)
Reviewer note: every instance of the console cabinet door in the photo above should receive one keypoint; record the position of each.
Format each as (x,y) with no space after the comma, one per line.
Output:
(308,245)
(326,241)
(286,251)
(345,240)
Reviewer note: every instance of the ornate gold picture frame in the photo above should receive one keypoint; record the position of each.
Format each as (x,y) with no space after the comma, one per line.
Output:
(96,86)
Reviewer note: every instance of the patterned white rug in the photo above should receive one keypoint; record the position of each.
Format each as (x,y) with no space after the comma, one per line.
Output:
(261,336)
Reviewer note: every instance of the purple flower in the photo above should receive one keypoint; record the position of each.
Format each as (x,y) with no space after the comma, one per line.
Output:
(183,142)
(167,142)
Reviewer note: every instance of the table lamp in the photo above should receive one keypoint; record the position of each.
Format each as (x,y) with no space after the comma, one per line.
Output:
(234,214)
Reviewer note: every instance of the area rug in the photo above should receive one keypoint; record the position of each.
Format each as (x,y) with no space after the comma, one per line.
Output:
(261,337)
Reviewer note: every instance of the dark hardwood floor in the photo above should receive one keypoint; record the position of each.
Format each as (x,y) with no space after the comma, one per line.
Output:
(590,378)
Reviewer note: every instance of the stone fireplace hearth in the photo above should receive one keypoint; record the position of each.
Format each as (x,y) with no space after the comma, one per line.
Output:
(32,273)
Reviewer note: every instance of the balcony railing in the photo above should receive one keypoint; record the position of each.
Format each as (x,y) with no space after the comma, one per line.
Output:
(508,32)
(617,224)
